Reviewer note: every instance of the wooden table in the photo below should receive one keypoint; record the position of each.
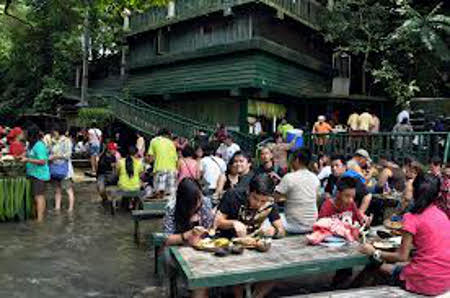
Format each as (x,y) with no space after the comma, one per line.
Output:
(287,258)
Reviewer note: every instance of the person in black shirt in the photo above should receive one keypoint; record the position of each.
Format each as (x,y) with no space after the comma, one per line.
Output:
(243,163)
(242,213)
(267,166)
(106,172)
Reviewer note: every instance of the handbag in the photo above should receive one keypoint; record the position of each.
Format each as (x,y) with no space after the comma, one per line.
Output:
(59,170)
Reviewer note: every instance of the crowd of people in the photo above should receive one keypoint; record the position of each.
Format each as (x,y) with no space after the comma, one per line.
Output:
(211,183)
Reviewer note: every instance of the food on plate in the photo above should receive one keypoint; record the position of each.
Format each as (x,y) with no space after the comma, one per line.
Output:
(211,244)
(247,242)
(259,244)
(393,225)
(385,245)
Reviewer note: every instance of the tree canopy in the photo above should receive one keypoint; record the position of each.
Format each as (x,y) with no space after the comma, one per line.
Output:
(403,45)
(41,45)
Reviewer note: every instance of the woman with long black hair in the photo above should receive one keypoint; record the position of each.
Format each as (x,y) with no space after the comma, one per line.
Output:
(427,228)
(37,169)
(188,219)
(129,170)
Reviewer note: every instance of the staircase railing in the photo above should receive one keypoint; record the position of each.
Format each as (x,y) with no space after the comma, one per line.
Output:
(149,119)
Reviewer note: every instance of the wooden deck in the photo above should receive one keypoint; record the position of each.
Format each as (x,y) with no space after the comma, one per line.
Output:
(288,257)
(375,292)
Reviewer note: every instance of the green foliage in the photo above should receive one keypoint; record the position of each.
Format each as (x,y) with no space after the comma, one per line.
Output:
(41,39)
(49,95)
(99,117)
(402,45)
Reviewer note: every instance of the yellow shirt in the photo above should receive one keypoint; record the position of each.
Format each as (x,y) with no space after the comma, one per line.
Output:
(165,154)
(353,121)
(125,182)
(283,129)
(365,122)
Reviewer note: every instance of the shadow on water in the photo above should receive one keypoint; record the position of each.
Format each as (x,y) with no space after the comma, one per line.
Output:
(85,254)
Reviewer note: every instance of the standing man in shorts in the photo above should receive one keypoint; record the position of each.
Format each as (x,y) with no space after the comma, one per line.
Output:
(163,153)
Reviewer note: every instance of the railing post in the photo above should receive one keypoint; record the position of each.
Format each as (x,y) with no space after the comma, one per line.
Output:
(447,147)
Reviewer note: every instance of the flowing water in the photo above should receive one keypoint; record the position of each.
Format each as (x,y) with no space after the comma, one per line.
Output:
(86,254)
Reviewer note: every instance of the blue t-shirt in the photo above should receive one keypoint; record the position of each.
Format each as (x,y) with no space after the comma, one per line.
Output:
(41,172)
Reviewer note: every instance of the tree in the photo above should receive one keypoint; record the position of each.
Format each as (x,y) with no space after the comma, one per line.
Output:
(400,44)
(40,43)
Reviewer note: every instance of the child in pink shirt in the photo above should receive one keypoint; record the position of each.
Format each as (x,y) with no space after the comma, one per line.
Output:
(427,227)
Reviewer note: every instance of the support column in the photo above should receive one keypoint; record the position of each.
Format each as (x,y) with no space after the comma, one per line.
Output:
(243,115)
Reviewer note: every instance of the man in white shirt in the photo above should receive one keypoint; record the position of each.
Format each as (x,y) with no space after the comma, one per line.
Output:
(300,189)
(211,168)
(227,149)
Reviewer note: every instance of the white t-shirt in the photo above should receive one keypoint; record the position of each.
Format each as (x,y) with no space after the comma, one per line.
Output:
(212,167)
(324,173)
(258,128)
(227,152)
(95,135)
(301,190)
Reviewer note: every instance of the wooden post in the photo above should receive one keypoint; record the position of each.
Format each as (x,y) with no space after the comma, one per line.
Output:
(85,39)
(126,27)
(77,76)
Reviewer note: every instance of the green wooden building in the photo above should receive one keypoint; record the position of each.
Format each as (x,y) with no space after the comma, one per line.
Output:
(226,60)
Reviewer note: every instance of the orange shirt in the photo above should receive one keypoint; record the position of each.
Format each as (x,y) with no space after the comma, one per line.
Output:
(322,127)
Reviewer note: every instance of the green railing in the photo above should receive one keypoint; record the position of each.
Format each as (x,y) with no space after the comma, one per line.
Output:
(149,119)
(306,11)
(395,146)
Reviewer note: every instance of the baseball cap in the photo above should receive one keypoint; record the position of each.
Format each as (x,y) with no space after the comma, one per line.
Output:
(363,153)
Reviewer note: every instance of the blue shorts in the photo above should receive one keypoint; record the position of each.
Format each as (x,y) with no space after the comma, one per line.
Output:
(94,150)
(395,277)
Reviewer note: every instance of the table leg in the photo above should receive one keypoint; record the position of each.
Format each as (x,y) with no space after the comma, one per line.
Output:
(248,291)
(137,234)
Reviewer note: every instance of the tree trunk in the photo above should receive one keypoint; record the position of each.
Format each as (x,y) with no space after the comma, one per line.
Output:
(126,28)
(363,74)
(86,40)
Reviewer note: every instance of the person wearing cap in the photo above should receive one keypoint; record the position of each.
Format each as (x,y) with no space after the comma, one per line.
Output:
(107,170)
(321,127)
(14,138)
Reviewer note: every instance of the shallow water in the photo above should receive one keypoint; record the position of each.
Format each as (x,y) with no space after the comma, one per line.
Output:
(86,254)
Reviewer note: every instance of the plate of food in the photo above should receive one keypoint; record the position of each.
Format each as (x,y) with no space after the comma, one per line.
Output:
(386,244)
(209,244)
(259,244)
(393,225)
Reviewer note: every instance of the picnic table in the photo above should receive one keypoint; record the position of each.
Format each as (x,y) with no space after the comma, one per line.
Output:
(289,257)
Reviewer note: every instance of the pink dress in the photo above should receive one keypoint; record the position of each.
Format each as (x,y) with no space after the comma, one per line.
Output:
(188,169)
(428,272)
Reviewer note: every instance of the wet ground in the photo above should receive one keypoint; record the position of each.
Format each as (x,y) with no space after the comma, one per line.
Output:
(85,254)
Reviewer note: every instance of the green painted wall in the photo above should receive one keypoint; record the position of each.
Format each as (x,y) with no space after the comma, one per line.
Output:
(240,70)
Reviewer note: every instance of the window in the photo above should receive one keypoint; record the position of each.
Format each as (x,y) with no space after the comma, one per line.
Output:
(162,42)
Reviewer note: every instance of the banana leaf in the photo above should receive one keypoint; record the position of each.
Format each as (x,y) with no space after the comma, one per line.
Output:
(2,199)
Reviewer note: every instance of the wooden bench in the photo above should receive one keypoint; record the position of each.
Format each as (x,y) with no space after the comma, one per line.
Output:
(372,292)
(138,215)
